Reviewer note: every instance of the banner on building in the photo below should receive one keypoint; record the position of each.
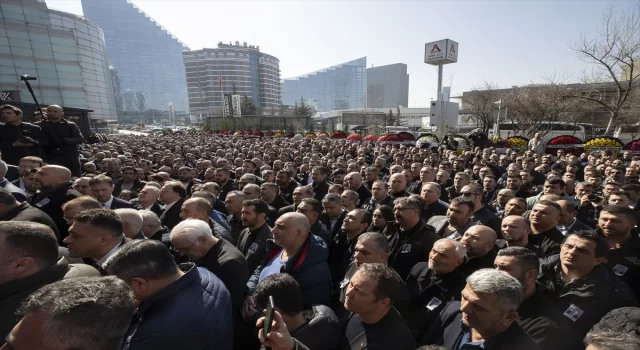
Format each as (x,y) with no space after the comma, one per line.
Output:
(227,111)
(236,106)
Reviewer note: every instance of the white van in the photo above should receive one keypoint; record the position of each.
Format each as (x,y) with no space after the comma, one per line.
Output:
(552,129)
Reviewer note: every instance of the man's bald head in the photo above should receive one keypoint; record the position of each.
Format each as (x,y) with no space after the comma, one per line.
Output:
(479,240)
(291,231)
(298,220)
(353,180)
(52,175)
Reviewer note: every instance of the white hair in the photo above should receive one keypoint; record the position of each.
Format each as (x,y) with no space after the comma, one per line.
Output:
(192,229)
(131,217)
(150,217)
(3,167)
(459,249)
(507,289)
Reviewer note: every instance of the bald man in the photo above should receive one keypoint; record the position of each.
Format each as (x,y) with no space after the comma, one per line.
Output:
(199,208)
(64,137)
(479,241)
(515,231)
(298,253)
(353,181)
(56,189)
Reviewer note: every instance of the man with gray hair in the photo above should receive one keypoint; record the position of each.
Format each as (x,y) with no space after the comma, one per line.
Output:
(433,284)
(194,239)
(132,222)
(612,340)
(299,193)
(176,301)
(334,213)
(78,313)
(152,227)
(487,314)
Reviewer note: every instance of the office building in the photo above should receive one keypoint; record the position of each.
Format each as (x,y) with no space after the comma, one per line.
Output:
(240,69)
(343,86)
(65,52)
(388,86)
(146,58)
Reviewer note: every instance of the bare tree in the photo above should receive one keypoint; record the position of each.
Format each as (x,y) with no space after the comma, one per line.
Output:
(615,54)
(480,105)
(534,108)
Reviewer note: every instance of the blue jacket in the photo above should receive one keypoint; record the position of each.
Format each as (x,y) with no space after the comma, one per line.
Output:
(220,218)
(309,267)
(192,313)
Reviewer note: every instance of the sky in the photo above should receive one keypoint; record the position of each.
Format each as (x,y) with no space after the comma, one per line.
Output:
(505,42)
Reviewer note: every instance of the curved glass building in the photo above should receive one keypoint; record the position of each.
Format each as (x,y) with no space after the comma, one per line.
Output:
(65,52)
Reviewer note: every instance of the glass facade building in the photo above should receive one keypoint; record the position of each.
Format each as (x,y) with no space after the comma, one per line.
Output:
(240,67)
(339,87)
(146,58)
(388,86)
(65,52)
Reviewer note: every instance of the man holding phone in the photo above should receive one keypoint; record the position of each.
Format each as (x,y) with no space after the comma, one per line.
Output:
(19,139)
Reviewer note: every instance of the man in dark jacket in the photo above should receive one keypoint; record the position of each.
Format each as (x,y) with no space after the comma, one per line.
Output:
(194,239)
(102,189)
(374,323)
(413,239)
(334,213)
(299,193)
(285,181)
(32,250)
(226,184)
(128,181)
(252,241)
(312,209)
(544,234)
(380,196)
(317,328)
(233,204)
(481,213)
(353,181)
(19,139)
(616,226)
(182,307)
(583,290)
(95,235)
(295,251)
(457,220)
(12,210)
(64,137)
(355,223)
(433,284)
(536,315)
(172,195)
(488,311)
(6,184)
(269,192)
(479,242)
(55,190)
(320,186)
(433,206)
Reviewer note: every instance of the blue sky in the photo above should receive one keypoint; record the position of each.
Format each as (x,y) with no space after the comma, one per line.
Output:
(506,42)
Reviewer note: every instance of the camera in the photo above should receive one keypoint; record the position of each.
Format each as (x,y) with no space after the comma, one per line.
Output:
(594,198)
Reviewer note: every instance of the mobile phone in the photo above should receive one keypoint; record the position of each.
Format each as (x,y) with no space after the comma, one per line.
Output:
(268,318)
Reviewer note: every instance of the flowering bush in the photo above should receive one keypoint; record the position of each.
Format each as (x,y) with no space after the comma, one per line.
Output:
(370,138)
(463,142)
(289,134)
(500,142)
(338,135)
(603,142)
(632,146)
(518,141)
(311,135)
(405,136)
(279,134)
(354,137)
(565,140)
(428,137)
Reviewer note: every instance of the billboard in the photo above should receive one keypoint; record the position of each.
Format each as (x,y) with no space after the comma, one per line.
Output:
(441,52)
(236,106)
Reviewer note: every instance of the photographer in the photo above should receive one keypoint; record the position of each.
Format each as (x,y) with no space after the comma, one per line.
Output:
(19,139)
(64,137)
(591,204)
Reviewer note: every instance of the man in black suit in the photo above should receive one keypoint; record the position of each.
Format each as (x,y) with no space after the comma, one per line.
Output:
(148,200)
(12,210)
(172,195)
(102,189)
(567,221)
(55,190)
(320,185)
(128,181)
(94,236)
(499,323)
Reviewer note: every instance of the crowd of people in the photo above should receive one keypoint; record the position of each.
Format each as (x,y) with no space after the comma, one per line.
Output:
(181,241)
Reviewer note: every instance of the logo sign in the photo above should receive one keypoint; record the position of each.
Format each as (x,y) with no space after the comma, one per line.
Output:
(6,96)
(441,52)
